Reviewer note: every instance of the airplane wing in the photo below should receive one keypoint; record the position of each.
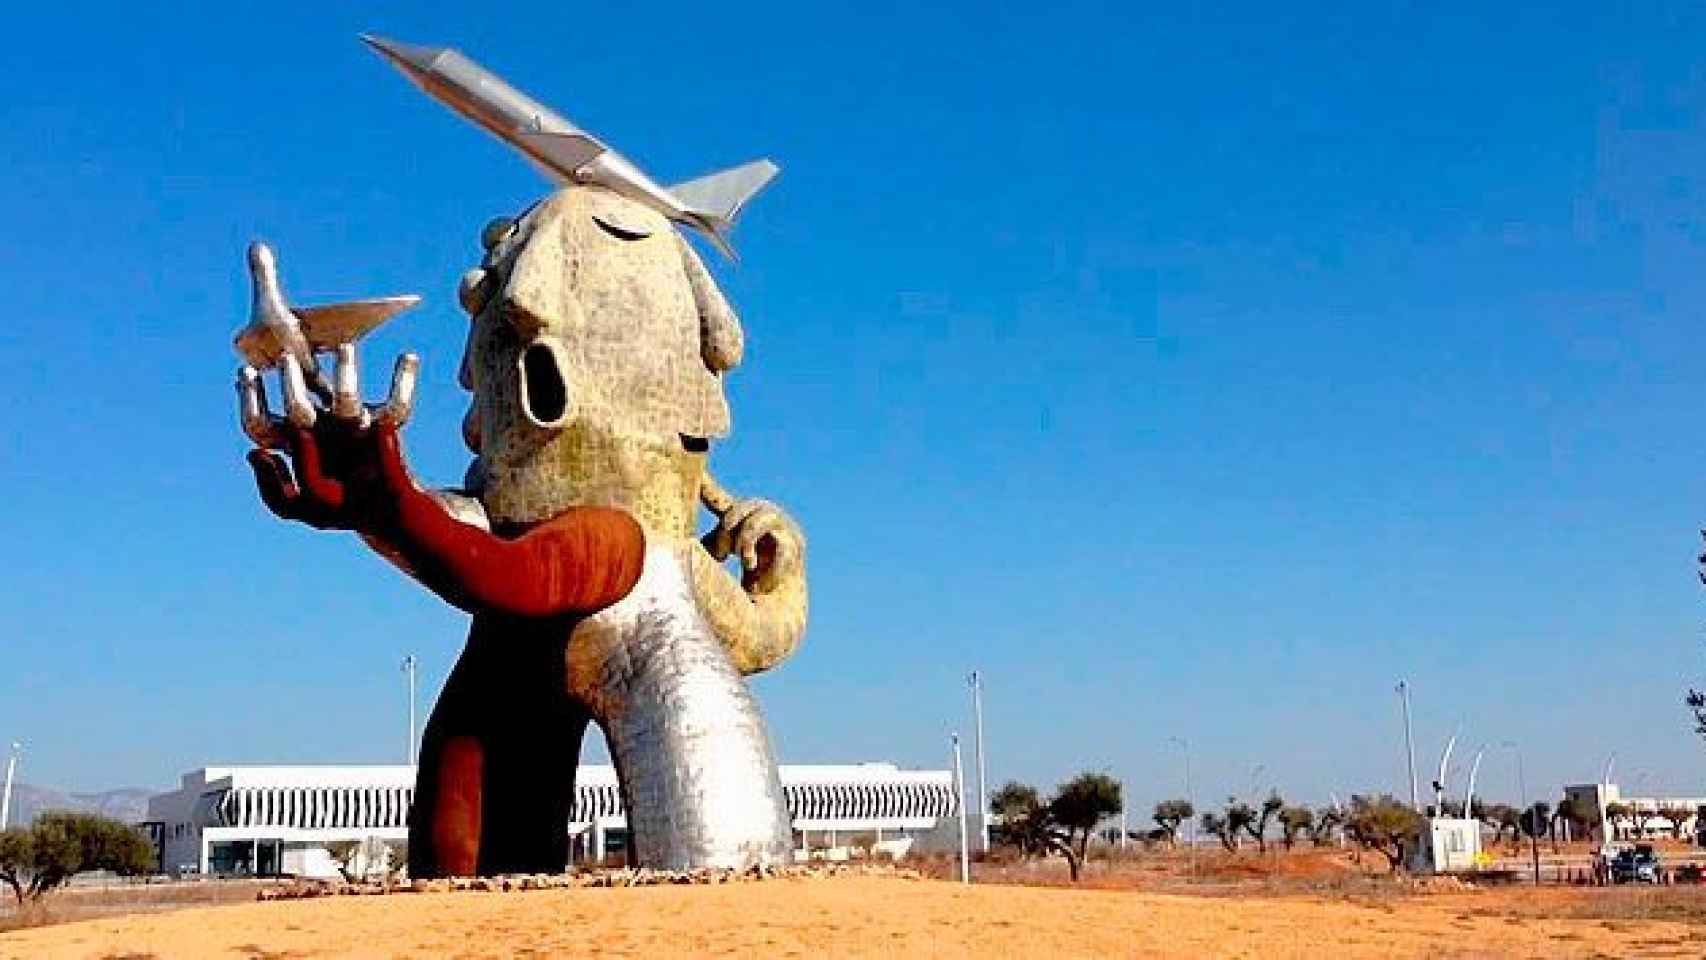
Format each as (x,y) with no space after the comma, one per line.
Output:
(259,346)
(720,196)
(561,154)
(327,326)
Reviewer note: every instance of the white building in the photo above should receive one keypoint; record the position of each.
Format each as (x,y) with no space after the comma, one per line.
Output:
(268,821)
(1642,817)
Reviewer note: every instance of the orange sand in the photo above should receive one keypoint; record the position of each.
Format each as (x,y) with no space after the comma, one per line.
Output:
(868,916)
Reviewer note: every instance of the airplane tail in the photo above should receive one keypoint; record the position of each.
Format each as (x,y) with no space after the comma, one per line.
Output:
(716,200)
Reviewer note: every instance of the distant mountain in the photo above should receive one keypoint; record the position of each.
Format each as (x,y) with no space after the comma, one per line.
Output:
(127,805)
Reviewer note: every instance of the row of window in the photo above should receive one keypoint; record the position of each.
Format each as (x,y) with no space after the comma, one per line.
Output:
(312,807)
(336,807)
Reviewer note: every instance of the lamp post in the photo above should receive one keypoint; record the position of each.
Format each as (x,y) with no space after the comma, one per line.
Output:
(409,665)
(960,795)
(1604,789)
(1190,821)
(1528,813)
(1409,743)
(976,682)
(6,799)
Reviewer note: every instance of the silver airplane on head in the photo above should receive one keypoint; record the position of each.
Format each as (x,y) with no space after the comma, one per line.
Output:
(276,329)
(567,153)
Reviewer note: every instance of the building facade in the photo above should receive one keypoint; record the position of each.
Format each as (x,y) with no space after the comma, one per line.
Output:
(1640,818)
(291,820)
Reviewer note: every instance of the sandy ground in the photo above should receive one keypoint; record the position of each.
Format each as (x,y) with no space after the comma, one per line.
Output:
(867,916)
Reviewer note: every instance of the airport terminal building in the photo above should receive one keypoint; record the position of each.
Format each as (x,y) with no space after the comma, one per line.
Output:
(285,820)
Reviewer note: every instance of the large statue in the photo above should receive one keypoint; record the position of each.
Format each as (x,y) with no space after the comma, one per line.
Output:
(595,358)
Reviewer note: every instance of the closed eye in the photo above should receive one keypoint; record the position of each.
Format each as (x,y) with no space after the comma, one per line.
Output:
(620,233)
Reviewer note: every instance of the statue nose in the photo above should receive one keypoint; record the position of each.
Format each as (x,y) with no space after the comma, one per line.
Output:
(523,317)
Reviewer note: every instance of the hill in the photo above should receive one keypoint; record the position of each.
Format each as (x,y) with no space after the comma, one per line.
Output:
(129,805)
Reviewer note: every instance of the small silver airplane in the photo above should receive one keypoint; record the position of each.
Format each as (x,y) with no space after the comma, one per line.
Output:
(276,329)
(566,153)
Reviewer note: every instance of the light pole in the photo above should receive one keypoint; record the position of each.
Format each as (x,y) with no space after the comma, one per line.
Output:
(6,799)
(1190,821)
(409,665)
(1469,794)
(1255,778)
(1409,743)
(960,795)
(1604,789)
(976,682)
(1528,814)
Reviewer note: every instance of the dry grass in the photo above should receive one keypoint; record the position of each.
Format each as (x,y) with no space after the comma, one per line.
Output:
(856,916)
(121,899)
(1299,903)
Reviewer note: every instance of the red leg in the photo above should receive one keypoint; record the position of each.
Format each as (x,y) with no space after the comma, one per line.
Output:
(455,827)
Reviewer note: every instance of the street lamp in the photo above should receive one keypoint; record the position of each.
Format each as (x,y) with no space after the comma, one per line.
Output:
(1409,743)
(1190,821)
(1528,813)
(960,796)
(409,665)
(6,799)
(1604,801)
(976,682)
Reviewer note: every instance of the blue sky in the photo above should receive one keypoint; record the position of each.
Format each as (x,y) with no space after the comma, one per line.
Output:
(1190,374)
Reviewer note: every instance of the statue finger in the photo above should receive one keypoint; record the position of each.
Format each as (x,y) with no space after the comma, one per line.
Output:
(716,543)
(272,478)
(751,532)
(400,405)
(741,512)
(346,390)
(785,558)
(258,422)
(298,407)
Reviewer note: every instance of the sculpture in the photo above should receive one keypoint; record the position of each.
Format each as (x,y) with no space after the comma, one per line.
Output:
(595,357)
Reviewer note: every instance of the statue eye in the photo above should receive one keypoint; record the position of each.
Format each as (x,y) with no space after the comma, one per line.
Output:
(619,232)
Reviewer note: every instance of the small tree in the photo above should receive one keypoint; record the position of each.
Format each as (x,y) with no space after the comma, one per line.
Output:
(1170,815)
(1084,801)
(1678,814)
(1577,814)
(1012,802)
(1239,817)
(344,854)
(1257,827)
(1536,819)
(57,846)
(1031,825)
(1640,815)
(1382,823)
(1614,812)
(1295,822)
(1499,816)
(1216,825)
(1328,821)
(396,860)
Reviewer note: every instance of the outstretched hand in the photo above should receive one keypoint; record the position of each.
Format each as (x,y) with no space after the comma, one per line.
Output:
(344,452)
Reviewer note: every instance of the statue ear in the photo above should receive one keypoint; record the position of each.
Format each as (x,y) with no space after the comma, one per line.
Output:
(720,338)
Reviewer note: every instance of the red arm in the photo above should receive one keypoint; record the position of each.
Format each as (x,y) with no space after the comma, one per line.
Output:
(580,561)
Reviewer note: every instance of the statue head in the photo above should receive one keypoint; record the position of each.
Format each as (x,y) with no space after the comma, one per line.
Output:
(596,360)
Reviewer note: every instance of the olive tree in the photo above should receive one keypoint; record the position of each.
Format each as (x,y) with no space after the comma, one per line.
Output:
(1257,825)
(1383,824)
(36,859)
(1170,815)
(1295,822)
(1084,801)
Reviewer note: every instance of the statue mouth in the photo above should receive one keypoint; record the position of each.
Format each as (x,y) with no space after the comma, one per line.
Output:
(544,390)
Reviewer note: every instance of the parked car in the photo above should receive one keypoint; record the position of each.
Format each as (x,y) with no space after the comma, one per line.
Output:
(1638,864)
